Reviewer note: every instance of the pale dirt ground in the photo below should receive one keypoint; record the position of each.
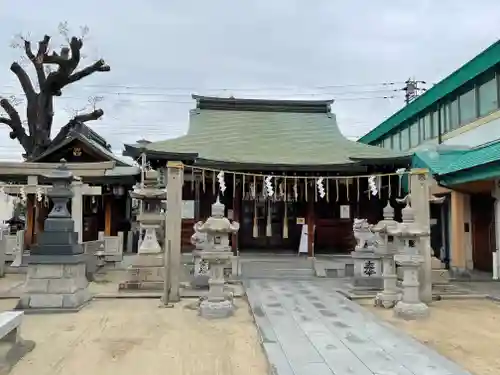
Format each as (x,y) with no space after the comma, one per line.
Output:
(465,331)
(135,336)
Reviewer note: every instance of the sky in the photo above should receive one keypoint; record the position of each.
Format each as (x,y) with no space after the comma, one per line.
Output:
(357,52)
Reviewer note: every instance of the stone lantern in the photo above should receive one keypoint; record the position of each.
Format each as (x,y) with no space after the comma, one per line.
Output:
(386,248)
(408,234)
(147,268)
(56,278)
(150,216)
(217,254)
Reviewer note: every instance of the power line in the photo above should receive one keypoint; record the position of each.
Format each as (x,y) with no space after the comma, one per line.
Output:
(262,88)
(191,101)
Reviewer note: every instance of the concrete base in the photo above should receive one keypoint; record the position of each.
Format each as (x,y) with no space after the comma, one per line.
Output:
(440,276)
(146,273)
(368,283)
(411,311)
(54,288)
(387,300)
(216,310)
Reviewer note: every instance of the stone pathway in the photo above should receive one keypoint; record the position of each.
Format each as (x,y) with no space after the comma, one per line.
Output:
(307,328)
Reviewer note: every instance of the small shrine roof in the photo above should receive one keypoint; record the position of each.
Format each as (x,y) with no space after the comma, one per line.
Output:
(261,132)
(79,131)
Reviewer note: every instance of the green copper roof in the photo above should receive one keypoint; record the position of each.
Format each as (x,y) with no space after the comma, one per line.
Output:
(479,64)
(248,131)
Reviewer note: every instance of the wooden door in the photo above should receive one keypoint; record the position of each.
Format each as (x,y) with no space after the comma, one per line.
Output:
(483,238)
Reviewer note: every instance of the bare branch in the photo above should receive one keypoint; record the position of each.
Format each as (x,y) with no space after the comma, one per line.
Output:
(24,80)
(98,66)
(43,46)
(15,124)
(5,120)
(94,115)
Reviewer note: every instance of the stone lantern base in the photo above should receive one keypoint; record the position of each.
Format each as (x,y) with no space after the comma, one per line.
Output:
(145,273)
(55,284)
(216,310)
(219,303)
(411,311)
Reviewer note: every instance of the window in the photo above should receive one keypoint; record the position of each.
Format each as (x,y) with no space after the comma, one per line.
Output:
(396,141)
(428,126)
(488,96)
(445,118)
(421,129)
(405,139)
(387,142)
(468,107)
(414,138)
(453,115)
(435,123)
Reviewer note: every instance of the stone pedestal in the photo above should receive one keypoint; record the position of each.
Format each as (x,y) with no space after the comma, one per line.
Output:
(146,273)
(390,295)
(440,275)
(200,272)
(367,264)
(60,286)
(218,304)
(367,270)
(56,280)
(410,307)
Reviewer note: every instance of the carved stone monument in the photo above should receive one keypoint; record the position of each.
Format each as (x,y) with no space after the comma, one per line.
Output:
(217,253)
(390,295)
(56,278)
(200,272)
(147,269)
(408,234)
(367,263)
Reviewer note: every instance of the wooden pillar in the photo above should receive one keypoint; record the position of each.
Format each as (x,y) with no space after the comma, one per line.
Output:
(458,256)
(30,221)
(310,220)
(175,178)
(197,203)
(236,216)
(108,207)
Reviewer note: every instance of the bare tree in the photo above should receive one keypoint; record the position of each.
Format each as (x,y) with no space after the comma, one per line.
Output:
(54,71)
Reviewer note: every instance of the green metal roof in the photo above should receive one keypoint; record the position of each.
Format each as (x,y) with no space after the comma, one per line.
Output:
(464,164)
(247,131)
(479,64)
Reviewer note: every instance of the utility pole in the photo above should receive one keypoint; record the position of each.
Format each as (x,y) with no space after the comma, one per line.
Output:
(412,89)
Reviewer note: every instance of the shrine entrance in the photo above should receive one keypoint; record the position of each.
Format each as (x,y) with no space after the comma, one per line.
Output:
(263,226)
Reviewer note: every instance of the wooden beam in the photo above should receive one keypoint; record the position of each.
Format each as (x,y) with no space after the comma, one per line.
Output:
(310,220)
(107,215)
(32,189)
(30,221)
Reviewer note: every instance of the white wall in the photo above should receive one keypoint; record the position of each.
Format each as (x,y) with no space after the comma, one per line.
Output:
(6,207)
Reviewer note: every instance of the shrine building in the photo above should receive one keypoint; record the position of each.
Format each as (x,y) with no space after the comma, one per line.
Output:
(101,203)
(264,158)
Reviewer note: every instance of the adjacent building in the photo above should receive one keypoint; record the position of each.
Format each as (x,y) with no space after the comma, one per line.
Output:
(453,129)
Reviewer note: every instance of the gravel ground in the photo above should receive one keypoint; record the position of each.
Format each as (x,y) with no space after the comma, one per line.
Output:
(132,336)
(465,331)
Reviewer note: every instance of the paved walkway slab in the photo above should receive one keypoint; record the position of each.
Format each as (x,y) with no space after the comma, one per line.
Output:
(308,328)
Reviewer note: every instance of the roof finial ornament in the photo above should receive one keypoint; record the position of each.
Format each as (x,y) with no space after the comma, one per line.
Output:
(218,208)
(388,211)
